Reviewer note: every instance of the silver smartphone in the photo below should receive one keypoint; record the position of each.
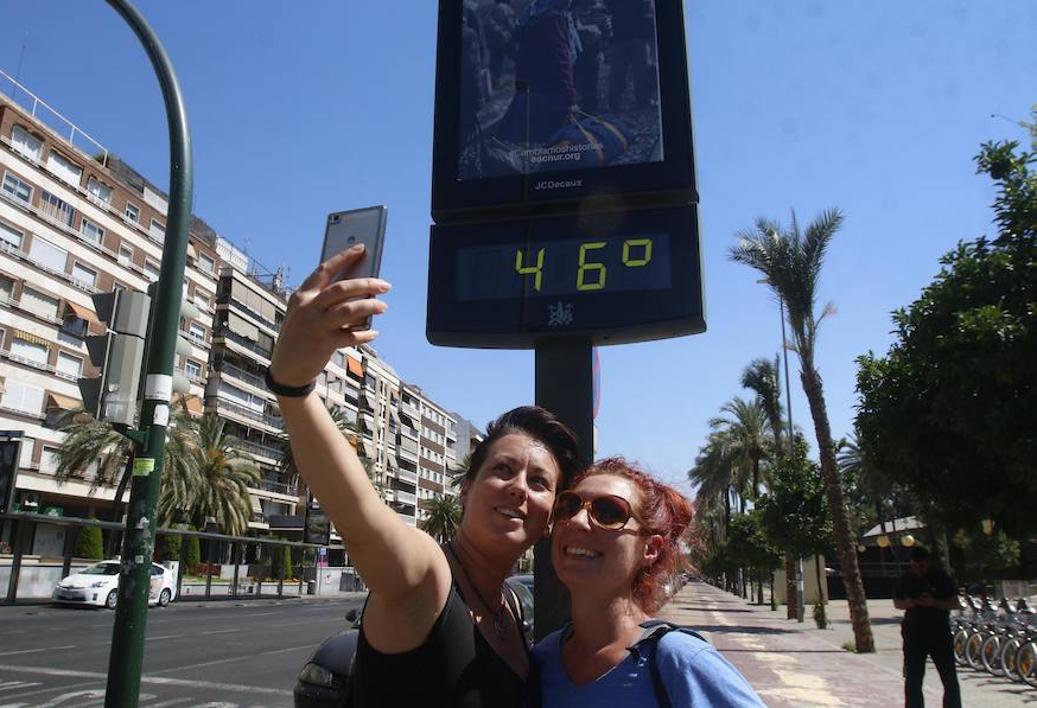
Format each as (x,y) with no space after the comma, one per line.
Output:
(348,228)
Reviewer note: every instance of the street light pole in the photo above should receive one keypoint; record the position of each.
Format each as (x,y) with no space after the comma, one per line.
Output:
(127,650)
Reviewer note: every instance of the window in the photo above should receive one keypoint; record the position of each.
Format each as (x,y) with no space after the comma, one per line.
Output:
(132,212)
(125,256)
(16,188)
(64,169)
(26,144)
(202,300)
(10,236)
(38,303)
(193,369)
(83,275)
(92,232)
(70,365)
(22,397)
(6,288)
(151,270)
(197,332)
(102,191)
(206,264)
(157,230)
(30,351)
(57,209)
(49,460)
(48,255)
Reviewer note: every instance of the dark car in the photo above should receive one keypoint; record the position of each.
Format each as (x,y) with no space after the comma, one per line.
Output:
(324,679)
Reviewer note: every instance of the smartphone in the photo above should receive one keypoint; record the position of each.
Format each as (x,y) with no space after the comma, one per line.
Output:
(348,228)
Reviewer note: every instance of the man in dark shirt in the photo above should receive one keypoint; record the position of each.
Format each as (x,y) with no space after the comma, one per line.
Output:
(928,595)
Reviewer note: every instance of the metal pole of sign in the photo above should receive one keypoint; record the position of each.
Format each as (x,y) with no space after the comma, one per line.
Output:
(126,657)
(565,386)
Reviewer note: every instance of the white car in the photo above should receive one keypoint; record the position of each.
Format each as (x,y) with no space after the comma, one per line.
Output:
(98,585)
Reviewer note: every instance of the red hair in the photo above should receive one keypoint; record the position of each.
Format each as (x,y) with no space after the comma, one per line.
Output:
(663,511)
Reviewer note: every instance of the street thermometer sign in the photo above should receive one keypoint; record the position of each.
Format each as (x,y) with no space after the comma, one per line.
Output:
(563,185)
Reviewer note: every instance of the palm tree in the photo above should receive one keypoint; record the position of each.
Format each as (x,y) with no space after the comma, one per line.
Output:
(88,442)
(791,262)
(225,474)
(290,473)
(180,472)
(716,472)
(442,515)
(746,429)
(763,377)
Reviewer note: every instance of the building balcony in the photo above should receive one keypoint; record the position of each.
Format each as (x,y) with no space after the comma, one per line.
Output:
(404,454)
(244,346)
(239,411)
(406,475)
(266,452)
(402,497)
(240,374)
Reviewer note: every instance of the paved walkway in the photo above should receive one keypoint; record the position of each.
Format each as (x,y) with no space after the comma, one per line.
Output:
(792,664)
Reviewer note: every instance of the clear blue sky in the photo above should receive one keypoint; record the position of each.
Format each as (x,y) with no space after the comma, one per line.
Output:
(299,109)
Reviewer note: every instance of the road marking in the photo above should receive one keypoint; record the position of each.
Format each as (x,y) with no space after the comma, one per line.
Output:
(166,636)
(151,678)
(52,689)
(228,660)
(223,631)
(11,685)
(36,651)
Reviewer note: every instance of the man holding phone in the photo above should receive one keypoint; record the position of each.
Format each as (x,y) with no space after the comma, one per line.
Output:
(928,595)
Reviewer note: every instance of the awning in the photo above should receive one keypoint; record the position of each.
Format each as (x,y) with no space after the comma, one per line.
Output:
(395,416)
(354,367)
(31,338)
(191,253)
(368,449)
(242,328)
(393,464)
(65,403)
(193,404)
(257,508)
(83,312)
(2,387)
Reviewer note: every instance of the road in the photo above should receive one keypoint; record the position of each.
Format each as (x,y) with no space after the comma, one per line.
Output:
(216,654)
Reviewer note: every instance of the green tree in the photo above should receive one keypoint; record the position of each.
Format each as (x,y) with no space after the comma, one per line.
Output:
(950,412)
(791,261)
(442,516)
(290,473)
(170,547)
(88,543)
(794,513)
(225,474)
(90,442)
(745,425)
(193,555)
(982,552)
(749,547)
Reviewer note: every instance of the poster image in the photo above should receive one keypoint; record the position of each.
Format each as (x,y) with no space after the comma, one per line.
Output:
(549,85)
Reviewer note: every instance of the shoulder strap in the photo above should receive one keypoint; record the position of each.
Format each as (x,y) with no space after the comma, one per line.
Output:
(648,645)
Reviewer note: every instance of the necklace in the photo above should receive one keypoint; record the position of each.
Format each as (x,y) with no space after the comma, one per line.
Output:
(500,626)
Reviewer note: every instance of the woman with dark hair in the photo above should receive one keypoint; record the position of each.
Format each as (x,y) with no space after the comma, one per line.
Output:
(616,542)
(439,629)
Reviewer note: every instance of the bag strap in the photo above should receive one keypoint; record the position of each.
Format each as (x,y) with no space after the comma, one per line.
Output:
(648,645)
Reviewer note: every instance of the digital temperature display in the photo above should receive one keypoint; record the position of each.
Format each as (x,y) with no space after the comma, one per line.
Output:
(563,267)
(624,276)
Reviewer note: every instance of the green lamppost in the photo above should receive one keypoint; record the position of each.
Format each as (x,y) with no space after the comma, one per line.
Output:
(127,650)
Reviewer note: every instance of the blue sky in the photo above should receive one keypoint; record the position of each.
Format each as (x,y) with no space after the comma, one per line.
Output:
(299,109)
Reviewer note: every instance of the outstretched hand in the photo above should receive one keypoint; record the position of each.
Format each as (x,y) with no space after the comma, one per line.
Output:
(320,317)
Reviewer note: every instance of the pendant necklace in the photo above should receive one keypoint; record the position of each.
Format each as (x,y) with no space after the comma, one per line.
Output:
(500,626)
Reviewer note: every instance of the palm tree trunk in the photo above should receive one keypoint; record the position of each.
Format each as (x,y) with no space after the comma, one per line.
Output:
(792,607)
(756,478)
(847,549)
(759,586)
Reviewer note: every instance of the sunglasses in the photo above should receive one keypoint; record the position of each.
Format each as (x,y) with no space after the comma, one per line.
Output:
(607,511)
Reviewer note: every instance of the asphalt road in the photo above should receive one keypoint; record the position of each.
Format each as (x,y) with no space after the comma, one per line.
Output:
(216,654)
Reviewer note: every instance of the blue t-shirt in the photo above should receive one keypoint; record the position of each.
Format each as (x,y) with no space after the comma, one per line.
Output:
(693,672)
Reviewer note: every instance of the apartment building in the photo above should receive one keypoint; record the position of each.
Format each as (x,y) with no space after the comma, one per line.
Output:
(74,221)
(437,435)
(72,224)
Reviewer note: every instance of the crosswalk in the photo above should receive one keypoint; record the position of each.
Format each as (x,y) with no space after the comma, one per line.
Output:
(38,694)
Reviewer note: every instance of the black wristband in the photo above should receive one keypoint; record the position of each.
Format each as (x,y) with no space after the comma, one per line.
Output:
(287,391)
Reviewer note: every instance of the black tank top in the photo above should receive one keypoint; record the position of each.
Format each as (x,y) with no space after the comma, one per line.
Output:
(455,667)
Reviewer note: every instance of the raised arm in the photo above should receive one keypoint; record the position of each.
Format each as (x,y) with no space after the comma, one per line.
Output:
(400,564)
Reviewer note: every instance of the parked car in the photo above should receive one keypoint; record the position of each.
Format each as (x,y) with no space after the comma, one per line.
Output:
(98,585)
(324,679)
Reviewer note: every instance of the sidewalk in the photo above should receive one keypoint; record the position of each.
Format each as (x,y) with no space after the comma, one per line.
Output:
(793,664)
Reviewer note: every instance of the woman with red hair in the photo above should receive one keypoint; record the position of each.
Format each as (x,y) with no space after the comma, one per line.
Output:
(615,544)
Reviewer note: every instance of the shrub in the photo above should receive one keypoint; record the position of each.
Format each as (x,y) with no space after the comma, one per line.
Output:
(89,543)
(194,554)
(170,548)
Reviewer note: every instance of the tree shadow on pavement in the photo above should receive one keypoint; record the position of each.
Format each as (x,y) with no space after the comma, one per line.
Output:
(739,629)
